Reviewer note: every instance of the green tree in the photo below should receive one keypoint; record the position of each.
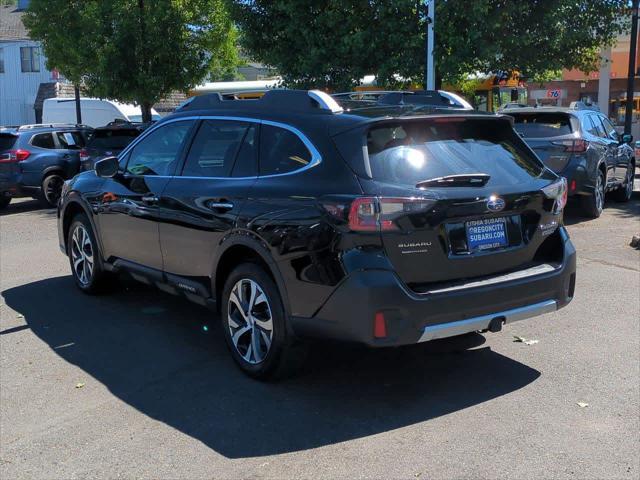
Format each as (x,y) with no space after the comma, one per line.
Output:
(134,50)
(334,43)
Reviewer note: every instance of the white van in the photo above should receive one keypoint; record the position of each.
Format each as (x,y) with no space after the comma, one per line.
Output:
(95,112)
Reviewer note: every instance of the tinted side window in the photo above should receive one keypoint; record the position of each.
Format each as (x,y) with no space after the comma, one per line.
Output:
(281,151)
(70,140)
(609,128)
(214,148)
(157,153)
(246,162)
(597,128)
(43,140)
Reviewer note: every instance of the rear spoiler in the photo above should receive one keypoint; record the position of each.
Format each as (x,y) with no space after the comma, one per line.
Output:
(451,114)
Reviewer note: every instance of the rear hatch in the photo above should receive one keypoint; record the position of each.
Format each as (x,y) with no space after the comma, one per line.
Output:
(552,135)
(105,143)
(458,197)
(8,161)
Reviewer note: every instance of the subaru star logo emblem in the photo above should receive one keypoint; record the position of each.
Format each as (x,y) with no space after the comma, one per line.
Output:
(495,204)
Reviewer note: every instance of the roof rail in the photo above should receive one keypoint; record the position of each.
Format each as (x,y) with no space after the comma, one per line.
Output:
(52,125)
(434,98)
(431,98)
(325,101)
(311,101)
(579,105)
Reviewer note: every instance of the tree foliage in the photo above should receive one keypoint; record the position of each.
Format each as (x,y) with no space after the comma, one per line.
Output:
(134,50)
(334,43)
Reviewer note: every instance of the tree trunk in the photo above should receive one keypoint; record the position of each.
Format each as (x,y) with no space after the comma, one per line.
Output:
(146,111)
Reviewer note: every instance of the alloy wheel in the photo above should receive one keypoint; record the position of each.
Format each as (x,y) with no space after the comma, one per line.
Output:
(52,188)
(250,321)
(599,193)
(630,178)
(82,255)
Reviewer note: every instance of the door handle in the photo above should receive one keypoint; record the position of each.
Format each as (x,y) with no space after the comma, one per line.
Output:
(220,206)
(149,199)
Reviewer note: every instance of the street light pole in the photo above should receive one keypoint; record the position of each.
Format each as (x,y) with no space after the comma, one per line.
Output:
(632,67)
(429,72)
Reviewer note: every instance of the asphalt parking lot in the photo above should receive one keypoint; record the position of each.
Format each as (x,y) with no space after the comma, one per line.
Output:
(138,384)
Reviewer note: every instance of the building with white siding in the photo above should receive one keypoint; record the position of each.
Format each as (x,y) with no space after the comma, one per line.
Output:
(22,68)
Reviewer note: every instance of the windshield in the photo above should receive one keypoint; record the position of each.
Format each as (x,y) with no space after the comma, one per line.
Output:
(411,152)
(112,139)
(542,125)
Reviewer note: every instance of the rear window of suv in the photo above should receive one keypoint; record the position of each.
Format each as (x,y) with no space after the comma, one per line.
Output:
(407,153)
(7,141)
(112,139)
(542,125)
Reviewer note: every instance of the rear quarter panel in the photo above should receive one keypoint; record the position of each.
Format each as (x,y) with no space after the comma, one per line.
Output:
(285,215)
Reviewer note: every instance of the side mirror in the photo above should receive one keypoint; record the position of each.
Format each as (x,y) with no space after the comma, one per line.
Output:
(627,138)
(107,167)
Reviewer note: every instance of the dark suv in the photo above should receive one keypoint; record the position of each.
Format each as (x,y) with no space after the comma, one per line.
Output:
(583,146)
(296,219)
(109,141)
(35,160)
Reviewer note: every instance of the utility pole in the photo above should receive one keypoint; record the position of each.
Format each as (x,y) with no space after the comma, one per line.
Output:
(628,116)
(429,70)
(76,91)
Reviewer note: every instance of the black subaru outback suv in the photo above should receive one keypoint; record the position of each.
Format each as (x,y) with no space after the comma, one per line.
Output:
(385,225)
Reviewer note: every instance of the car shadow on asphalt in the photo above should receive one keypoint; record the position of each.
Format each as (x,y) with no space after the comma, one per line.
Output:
(26,206)
(630,209)
(166,357)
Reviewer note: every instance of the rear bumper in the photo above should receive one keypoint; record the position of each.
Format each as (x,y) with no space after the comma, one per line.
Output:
(14,187)
(579,180)
(410,318)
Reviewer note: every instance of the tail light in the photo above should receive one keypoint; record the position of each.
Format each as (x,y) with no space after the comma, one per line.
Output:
(573,146)
(371,214)
(84,155)
(19,155)
(557,191)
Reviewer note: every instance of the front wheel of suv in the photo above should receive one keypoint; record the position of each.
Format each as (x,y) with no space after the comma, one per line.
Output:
(624,193)
(255,326)
(84,256)
(592,205)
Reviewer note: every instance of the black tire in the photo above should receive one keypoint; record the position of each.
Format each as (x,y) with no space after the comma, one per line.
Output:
(5,200)
(592,205)
(284,355)
(624,193)
(93,281)
(50,190)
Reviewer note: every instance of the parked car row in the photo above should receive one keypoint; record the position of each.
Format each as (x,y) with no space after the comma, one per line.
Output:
(583,146)
(35,160)
(384,219)
(385,225)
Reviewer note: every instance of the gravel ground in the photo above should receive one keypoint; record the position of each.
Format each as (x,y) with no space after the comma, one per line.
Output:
(130,385)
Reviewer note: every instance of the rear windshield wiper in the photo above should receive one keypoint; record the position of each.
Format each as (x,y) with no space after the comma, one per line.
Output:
(459,180)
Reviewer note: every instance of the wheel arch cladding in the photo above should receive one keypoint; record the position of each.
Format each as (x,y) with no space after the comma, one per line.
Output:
(602,167)
(54,169)
(70,212)
(243,252)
